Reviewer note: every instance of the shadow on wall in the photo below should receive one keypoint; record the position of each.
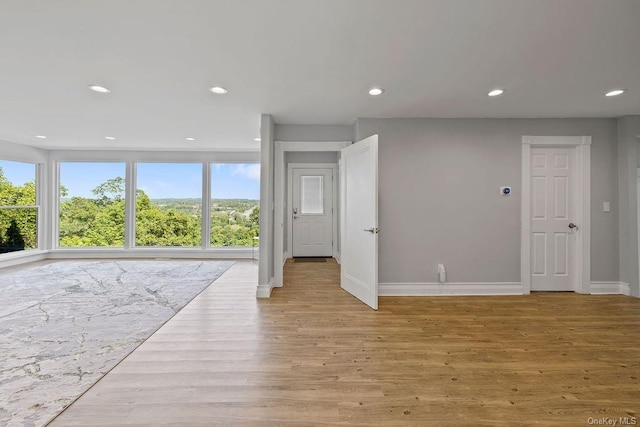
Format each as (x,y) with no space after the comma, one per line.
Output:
(13,240)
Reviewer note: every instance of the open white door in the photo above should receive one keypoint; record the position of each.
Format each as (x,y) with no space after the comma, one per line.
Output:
(359,220)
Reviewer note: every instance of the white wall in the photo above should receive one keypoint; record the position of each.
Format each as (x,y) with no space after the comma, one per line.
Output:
(439,202)
(22,153)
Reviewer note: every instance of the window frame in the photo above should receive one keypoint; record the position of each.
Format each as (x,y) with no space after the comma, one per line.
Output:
(38,174)
(131,159)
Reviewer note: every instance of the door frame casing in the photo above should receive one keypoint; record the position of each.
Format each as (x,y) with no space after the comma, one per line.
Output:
(280,172)
(582,265)
(334,202)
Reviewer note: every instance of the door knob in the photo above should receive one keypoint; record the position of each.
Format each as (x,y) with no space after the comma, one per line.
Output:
(573,226)
(373,230)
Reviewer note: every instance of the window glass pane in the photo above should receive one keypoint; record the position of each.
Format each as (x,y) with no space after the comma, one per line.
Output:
(169,204)
(92,204)
(312,195)
(235,204)
(18,226)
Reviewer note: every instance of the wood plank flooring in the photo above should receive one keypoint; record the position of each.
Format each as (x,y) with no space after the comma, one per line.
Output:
(314,355)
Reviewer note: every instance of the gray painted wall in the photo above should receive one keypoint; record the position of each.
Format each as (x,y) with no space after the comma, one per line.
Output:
(439,181)
(314,132)
(628,131)
(265,265)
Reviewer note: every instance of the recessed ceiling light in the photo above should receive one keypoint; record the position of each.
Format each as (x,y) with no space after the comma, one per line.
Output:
(219,90)
(496,92)
(190,139)
(257,139)
(615,92)
(375,91)
(98,88)
(41,137)
(110,138)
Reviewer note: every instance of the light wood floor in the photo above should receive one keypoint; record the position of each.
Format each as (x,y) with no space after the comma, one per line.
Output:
(312,354)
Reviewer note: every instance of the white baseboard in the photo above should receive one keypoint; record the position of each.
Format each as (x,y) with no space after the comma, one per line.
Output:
(450,289)
(610,288)
(22,257)
(264,291)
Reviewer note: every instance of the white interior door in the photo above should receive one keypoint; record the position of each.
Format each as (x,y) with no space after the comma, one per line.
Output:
(359,220)
(553,209)
(312,212)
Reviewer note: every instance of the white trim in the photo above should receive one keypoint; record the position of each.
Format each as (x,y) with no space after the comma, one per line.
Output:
(32,255)
(264,291)
(53,186)
(556,141)
(334,200)
(610,288)
(130,191)
(582,144)
(450,289)
(22,257)
(150,252)
(280,176)
(206,206)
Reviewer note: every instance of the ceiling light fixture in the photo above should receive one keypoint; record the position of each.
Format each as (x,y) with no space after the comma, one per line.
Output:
(100,89)
(375,91)
(615,92)
(218,90)
(257,139)
(110,138)
(496,92)
(190,138)
(41,137)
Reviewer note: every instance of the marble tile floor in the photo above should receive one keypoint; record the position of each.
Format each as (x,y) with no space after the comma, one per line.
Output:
(64,324)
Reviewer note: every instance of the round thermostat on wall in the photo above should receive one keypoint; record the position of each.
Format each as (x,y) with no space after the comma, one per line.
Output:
(505,191)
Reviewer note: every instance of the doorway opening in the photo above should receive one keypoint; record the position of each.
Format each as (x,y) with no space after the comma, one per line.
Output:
(307,232)
(312,216)
(311,154)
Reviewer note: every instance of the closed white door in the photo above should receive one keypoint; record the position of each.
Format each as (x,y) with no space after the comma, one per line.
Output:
(553,211)
(312,212)
(359,220)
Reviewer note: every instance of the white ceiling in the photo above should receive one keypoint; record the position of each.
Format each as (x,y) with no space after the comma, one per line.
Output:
(305,62)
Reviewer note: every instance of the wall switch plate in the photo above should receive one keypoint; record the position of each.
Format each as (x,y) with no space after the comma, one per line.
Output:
(606,207)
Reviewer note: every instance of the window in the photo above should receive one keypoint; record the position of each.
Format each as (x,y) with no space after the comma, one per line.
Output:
(312,202)
(235,204)
(169,204)
(18,206)
(92,204)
